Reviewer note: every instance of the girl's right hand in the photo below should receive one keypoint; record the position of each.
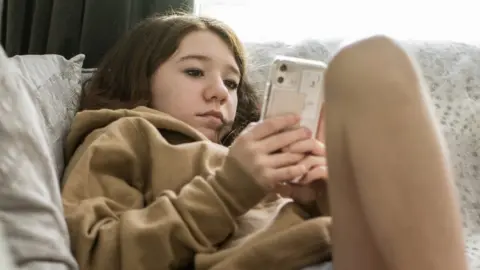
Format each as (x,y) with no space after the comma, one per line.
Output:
(257,150)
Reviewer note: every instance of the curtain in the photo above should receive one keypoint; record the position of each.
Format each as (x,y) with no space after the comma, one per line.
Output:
(69,27)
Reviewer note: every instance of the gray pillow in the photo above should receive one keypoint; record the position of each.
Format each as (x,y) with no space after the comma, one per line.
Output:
(54,85)
(30,202)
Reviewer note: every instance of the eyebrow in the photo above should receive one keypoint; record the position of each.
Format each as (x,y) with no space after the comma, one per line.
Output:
(206,59)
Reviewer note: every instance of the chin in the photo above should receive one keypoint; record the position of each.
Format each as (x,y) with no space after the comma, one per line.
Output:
(210,134)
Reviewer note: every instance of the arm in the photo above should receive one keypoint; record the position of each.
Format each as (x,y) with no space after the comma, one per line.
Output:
(112,227)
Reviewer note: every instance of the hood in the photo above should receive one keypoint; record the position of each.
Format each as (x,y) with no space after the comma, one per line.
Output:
(86,122)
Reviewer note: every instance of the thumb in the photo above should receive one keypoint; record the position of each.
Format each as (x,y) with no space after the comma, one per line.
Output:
(284,190)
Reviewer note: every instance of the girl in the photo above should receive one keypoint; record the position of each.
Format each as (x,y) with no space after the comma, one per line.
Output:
(165,173)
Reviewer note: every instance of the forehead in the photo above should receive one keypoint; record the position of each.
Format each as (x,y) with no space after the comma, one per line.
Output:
(207,44)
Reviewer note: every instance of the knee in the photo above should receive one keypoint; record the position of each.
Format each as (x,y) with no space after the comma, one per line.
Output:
(367,68)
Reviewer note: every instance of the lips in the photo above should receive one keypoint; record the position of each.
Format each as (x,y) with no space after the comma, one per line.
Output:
(212,119)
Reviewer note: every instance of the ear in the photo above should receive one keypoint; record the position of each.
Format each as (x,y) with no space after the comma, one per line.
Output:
(321,125)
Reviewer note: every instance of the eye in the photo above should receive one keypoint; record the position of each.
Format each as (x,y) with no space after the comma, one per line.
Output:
(194,72)
(231,84)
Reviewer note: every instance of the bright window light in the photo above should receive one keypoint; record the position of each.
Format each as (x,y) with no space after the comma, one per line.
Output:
(293,20)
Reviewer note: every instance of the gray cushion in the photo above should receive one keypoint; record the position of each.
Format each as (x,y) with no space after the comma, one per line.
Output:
(53,84)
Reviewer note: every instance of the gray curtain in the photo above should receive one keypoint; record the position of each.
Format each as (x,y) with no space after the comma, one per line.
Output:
(69,27)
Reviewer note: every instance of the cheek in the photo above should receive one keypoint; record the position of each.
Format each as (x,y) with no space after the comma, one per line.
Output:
(165,101)
(156,86)
(158,97)
(233,105)
(163,94)
(172,99)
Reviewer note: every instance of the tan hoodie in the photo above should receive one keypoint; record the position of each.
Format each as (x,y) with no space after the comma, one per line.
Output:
(146,191)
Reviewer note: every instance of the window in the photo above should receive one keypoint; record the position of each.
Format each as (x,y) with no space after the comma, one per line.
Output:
(293,20)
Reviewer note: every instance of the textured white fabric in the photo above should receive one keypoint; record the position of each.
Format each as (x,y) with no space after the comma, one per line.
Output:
(452,72)
(30,202)
(53,84)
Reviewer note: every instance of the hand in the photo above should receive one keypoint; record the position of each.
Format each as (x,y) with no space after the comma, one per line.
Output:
(257,150)
(316,163)
(312,197)
(315,160)
(310,190)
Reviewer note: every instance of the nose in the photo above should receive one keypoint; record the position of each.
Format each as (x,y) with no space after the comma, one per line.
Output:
(216,90)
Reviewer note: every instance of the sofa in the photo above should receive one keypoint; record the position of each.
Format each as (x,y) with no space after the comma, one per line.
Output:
(31,159)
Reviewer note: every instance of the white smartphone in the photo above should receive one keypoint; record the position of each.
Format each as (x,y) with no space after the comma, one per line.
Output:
(295,85)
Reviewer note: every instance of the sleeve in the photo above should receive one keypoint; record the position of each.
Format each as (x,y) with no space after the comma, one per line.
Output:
(310,241)
(112,227)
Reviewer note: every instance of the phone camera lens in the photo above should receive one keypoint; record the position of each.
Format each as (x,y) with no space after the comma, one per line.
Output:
(283,67)
(280,80)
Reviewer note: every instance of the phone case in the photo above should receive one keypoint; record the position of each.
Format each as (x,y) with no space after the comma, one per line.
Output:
(295,85)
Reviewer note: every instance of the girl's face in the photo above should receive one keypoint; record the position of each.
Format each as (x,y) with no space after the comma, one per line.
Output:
(198,83)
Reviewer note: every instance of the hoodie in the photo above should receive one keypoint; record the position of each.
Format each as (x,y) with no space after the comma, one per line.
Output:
(146,191)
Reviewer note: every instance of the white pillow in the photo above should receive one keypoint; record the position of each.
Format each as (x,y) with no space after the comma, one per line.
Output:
(54,85)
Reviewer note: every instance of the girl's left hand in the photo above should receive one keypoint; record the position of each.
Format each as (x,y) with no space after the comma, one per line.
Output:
(315,160)
(307,189)
(310,191)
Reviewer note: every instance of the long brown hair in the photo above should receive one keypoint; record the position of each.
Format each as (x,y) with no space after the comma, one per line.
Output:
(122,80)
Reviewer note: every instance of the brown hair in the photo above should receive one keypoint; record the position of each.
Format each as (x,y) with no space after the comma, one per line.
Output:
(122,80)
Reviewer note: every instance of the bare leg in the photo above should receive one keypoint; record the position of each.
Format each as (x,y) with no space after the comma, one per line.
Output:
(391,191)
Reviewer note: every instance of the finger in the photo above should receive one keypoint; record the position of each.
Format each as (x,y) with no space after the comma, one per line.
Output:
(250,126)
(310,162)
(286,173)
(303,194)
(311,145)
(283,139)
(273,125)
(313,161)
(284,190)
(283,159)
(315,174)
